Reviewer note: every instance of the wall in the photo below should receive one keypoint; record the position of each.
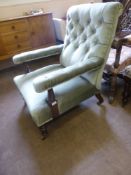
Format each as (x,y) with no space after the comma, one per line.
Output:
(57,7)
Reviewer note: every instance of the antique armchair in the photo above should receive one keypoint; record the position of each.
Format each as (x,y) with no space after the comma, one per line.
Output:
(52,90)
(120,53)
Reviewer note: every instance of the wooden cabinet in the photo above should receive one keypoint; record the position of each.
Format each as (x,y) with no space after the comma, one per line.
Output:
(25,33)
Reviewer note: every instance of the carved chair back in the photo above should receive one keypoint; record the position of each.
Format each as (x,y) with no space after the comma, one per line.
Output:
(124,23)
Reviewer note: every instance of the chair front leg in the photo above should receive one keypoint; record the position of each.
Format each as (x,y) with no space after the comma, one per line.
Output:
(117,44)
(113,87)
(126,91)
(100,98)
(44,131)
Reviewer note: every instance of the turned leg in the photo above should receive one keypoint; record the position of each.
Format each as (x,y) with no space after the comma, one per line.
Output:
(118,46)
(124,94)
(100,98)
(126,91)
(113,88)
(44,131)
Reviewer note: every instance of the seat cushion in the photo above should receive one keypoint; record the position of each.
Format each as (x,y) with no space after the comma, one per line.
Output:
(65,95)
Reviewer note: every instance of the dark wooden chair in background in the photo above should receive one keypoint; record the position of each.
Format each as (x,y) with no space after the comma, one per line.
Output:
(126,76)
(122,45)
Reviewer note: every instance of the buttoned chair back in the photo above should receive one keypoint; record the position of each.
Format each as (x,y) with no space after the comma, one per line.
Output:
(89,34)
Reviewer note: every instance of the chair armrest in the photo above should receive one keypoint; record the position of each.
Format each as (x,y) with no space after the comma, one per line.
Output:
(117,44)
(127,40)
(37,54)
(49,80)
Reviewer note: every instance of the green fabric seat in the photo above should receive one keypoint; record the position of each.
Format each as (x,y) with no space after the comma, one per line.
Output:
(65,95)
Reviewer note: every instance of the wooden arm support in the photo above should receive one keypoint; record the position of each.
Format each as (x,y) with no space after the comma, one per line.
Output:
(53,103)
(117,44)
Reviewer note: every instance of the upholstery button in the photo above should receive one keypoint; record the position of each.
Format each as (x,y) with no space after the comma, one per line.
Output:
(100,21)
(93,30)
(76,46)
(73,35)
(77,20)
(82,28)
(84,38)
(87,49)
(88,21)
(71,26)
(95,42)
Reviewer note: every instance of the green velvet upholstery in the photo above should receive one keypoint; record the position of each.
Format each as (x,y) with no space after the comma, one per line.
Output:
(89,33)
(65,95)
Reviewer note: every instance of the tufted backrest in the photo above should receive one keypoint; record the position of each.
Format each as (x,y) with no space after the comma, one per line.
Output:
(89,32)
